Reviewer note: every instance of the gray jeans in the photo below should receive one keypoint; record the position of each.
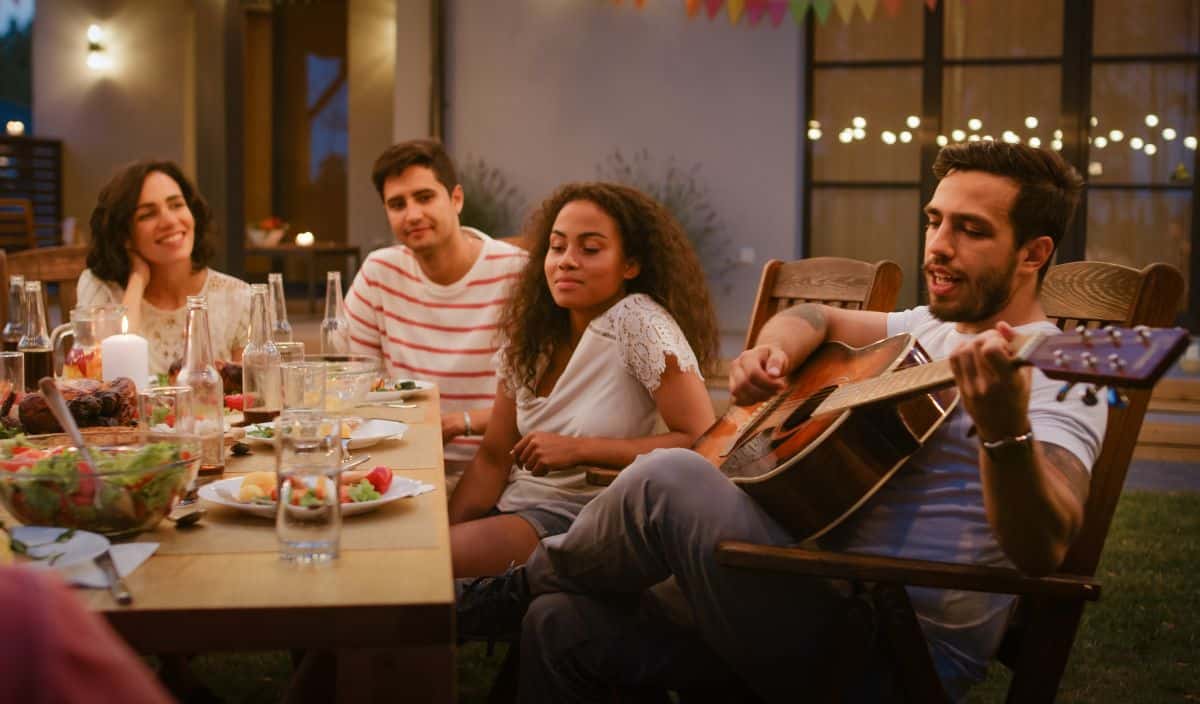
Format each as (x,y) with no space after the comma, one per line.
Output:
(592,627)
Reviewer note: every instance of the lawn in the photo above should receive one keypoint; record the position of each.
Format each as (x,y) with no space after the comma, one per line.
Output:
(1139,644)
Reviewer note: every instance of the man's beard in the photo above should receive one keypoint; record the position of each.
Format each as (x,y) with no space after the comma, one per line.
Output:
(990,292)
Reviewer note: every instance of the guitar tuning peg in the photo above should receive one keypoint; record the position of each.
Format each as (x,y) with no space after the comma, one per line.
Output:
(1143,333)
(1116,399)
(1085,335)
(1114,335)
(1089,396)
(1063,391)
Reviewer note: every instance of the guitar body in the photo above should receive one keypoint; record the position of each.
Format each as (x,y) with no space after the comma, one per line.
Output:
(810,472)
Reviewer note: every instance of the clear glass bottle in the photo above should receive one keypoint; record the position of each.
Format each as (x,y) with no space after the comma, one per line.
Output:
(281,329)
(14,327)
(35,343)
(335,329)
(208,393)
(260,364)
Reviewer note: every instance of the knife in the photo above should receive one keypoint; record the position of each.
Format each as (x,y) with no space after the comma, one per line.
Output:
(116,585)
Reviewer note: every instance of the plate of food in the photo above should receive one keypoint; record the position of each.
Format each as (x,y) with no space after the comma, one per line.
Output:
(395,389)
(56,547)
(360,433)
(360,491)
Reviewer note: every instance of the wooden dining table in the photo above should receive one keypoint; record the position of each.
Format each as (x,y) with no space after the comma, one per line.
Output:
(384,606)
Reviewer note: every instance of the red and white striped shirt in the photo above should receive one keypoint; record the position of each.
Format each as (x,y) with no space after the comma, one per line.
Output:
(443,334)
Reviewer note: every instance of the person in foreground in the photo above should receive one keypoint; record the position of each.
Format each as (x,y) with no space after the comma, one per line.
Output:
(608,327)
(429,305)
(993,223)
(150,251)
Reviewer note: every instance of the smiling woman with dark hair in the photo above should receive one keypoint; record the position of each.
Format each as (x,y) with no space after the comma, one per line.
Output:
(150,252)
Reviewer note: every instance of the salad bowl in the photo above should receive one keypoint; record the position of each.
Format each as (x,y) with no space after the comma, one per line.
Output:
(140,476)
(349,378)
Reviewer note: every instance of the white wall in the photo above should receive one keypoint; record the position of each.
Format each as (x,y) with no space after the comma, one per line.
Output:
(547,90)
(137,109)
(414,68)
(371,50)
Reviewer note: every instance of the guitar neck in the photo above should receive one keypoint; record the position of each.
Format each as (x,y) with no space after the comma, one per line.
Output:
(889,387)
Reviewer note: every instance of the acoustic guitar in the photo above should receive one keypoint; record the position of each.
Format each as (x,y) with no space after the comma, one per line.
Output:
(850,417)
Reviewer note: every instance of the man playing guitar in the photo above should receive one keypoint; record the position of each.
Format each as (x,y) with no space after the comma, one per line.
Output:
(1002,481)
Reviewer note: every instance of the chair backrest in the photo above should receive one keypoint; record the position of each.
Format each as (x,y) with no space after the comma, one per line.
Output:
(1094,294)
(16,224)
(60,265)
(834,281)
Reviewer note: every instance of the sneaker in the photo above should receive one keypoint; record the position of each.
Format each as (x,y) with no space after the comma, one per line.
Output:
(491,608)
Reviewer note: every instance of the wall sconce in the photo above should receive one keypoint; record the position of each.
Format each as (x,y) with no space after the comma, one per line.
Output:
(97,57)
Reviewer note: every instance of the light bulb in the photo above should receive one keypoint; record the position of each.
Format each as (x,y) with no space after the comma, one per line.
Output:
(974,123)
(1116,135)
(958,135)
(814,133)
(913,121)
(1168,134)
(1136,143)
(1151,120)
(859,122)
(888,137)
(906,136)
(1100,142)
(1031,122)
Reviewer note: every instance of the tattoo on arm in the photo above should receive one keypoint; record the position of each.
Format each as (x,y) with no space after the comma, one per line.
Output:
(810,313)
(1072,470)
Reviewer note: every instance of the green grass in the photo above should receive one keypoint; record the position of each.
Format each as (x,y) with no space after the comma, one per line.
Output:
(1138,644)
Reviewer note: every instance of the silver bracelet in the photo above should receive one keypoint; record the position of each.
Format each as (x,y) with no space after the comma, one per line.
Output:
(994,445)
(466,424)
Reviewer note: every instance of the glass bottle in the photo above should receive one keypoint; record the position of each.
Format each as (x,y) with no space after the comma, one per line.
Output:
(14,327)
(281,329)
(208,393)
(260,364)
(335,329)
(35,343)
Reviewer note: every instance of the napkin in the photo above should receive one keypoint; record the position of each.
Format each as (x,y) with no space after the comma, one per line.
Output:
(127,557)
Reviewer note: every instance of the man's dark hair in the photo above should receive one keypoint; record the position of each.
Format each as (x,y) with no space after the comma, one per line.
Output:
(112,219)
(416,152)
(1049,187)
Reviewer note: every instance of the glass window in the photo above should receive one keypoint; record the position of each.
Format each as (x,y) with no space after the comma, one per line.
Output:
(1139,227)
(1145,117)
(885,37)
(862,119)
(1017,102)
(1033,28)
(1159,27)
(870,224)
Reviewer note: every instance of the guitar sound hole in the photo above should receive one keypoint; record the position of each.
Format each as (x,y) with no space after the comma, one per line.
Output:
(799,416)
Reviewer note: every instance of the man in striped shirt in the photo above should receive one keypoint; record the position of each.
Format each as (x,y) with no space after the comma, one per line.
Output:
(430,306)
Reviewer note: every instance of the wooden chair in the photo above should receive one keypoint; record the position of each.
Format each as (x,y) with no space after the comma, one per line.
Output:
(834,281)
(16,224)
(1039,639)
(57,265)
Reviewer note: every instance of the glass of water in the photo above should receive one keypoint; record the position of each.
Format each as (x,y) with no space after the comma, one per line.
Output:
(303,385)
(12,373)
(290,351)
(308,515)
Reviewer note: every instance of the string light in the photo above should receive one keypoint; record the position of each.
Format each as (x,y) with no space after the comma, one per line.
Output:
(1100,142)
(1168,134)
(1151,150)
(1189,142)
(906,136)
(913,121)
(1056,145)
(846,136)
(1136,143)
(888,137)
(1094,121)
(1031,122)
(1035,142)
(859,122)
(1116,135)
(958,135)
(974,124)
(1151,120)
(942,140)
(1058,134)
(815,124)
(973,138)
(859,133)
(814,133)
(1011,137)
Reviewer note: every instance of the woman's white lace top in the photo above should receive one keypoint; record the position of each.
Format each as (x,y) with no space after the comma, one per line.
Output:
(228,316)
(604,391)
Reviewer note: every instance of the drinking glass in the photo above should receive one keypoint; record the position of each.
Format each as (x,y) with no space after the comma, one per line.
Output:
(308,514)
(303,385)
(12,373)
(290,351)
(168,411)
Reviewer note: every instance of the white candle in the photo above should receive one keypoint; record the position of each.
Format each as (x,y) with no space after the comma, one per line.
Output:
(125,355)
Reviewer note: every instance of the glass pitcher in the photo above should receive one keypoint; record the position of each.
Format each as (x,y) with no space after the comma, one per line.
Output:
(88,327)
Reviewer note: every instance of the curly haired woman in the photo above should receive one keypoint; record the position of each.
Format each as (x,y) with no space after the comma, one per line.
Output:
(608,328)
(150,252)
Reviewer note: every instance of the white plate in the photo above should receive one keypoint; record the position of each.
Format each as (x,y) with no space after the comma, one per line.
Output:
(366,434)
(81,547)
(422,387)
(224,493)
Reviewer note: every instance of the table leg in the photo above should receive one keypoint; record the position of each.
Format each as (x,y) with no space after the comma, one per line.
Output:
(422,674)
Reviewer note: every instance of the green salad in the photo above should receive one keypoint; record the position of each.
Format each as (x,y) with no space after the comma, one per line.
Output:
(57,487)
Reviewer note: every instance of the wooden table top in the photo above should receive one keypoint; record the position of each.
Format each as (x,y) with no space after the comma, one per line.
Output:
(191,596)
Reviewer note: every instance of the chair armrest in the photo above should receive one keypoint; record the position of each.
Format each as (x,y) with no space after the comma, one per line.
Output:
(598,476)
(916,573)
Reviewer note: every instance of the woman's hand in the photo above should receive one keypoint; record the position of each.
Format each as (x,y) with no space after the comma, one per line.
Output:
(139,269)
(542,453)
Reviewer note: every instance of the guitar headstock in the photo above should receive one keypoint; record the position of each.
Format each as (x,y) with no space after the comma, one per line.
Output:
(1111,356)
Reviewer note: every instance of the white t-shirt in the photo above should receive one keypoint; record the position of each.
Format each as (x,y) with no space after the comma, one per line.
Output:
(932,509)
(444,334)
(165,330)
(604,392)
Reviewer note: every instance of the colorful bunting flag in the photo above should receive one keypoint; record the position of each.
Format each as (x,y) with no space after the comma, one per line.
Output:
(845,9)
(735,8)
(821,9)
(799,7)
(713,7)
(755,10)
(693,7)
(892,6)
(931,4)
(778,10)
(868,8)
